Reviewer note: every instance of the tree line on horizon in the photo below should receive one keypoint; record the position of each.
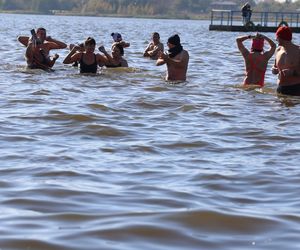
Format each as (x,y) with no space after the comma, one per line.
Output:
(175,8)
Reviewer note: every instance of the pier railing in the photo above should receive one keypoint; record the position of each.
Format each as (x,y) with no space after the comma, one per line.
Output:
(266,19)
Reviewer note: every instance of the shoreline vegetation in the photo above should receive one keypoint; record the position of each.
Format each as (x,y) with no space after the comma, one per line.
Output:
(202,16)
(150,9)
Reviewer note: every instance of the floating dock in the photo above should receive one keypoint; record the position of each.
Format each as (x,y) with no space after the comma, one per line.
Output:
(228,20)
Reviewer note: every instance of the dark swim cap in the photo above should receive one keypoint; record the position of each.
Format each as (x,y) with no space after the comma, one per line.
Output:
(116,36)
(175,40)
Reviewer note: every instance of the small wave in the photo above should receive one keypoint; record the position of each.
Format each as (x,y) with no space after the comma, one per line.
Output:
(62,116)
(224,223)
(96,106)
(17,138)
(157,89)
(41,92)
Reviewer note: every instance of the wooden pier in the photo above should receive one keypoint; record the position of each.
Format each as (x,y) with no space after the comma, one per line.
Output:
(227,20)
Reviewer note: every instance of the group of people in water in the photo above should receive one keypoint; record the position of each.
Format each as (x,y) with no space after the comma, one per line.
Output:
(286,66)
(83,55)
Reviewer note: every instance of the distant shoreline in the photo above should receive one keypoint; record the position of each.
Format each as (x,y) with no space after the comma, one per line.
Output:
(203,16)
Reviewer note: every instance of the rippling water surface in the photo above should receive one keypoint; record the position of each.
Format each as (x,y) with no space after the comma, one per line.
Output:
(126,161)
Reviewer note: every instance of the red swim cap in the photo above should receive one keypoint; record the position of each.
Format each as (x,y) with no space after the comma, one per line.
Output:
(284,32)
(257,44)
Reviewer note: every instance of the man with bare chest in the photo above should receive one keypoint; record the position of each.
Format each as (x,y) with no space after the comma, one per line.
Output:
(287,63)
(176,60)
(38,47)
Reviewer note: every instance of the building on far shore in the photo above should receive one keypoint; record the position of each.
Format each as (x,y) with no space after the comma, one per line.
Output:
(224,5)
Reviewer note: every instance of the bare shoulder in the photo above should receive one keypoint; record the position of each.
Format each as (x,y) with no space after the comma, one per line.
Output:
(185,54)
(278,49)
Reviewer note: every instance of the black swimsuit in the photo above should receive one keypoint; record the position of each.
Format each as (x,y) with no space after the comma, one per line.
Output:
(289,90)
(88,68)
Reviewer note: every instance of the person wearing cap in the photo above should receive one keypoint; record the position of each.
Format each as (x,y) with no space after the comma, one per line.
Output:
(154,47)
(117,37)
(176,60)
(287,63)
(256,60)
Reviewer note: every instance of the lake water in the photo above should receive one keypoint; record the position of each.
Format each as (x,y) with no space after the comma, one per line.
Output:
(125,161)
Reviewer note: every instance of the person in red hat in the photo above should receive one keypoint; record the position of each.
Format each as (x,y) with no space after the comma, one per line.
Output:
(256,60)
(287,63)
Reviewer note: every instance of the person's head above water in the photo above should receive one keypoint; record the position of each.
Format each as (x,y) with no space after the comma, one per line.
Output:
(41,34)
(90,42)
(284,33)
(117,37)
(257,44)
(175,40)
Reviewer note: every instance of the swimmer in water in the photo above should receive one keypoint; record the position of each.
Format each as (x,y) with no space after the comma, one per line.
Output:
(256,60)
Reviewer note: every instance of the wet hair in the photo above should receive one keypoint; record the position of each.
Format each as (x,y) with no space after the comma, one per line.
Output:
(175,40)
(156,34)
(90,41)
(40,29)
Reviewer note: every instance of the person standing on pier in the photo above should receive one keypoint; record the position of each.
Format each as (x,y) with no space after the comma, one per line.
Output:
(287,63)
(246,13)
(256,60)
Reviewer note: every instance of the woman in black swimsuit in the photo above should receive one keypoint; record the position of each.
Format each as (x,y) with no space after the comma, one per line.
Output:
(88,60)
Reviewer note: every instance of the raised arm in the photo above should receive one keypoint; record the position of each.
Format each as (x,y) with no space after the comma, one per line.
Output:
(106,59)
(146,50)
(23,40)
(73,56)
(269,53)
(156,49)
(29,54)
(56,44)
(161,59)
(241,46)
